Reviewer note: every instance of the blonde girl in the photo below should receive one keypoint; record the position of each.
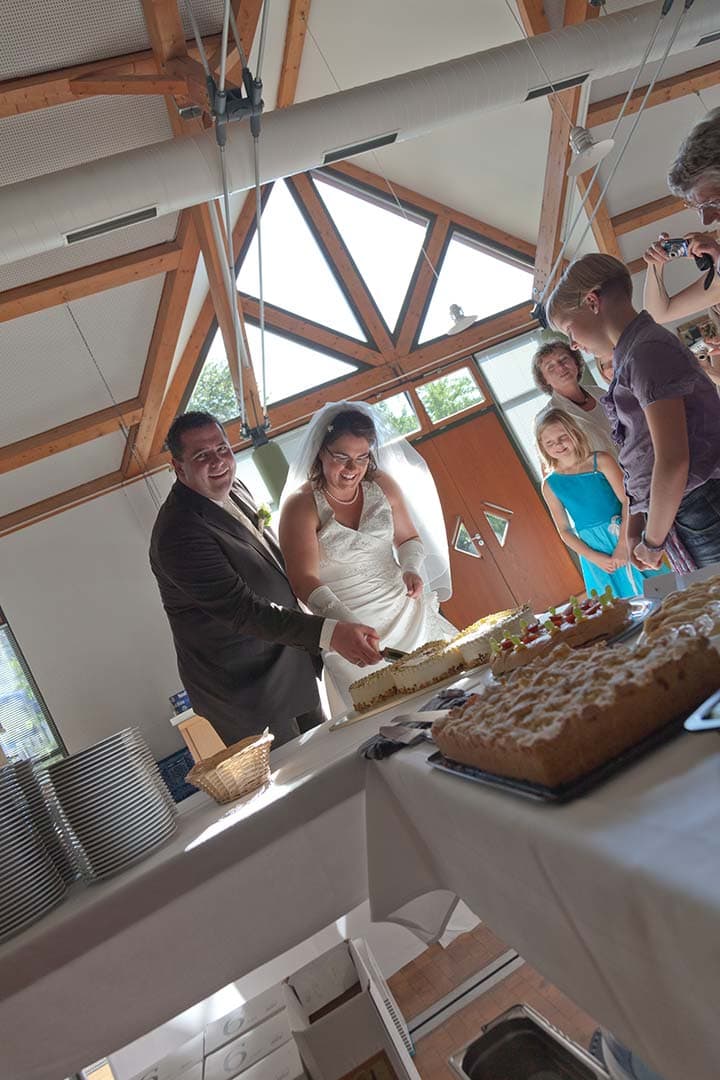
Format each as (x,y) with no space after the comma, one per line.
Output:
(584,493)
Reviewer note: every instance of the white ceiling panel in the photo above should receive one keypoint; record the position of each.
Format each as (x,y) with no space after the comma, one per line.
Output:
(99,248)
(351,44)
(48,376)
(642,175)
(79,31)
(478,166)
(59,472)
(42,142)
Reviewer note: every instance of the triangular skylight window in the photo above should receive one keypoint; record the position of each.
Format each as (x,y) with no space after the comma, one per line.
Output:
(383,241)
(480,283)
(290,369)
(296,276)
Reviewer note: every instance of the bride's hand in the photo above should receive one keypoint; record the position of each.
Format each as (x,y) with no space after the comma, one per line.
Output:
(413,583)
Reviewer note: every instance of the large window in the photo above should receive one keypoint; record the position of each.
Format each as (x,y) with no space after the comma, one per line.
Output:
(479,281)
(508,371)
(26,729)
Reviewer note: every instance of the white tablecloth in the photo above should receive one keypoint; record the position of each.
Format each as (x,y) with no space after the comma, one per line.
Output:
(234,888)
(615,898)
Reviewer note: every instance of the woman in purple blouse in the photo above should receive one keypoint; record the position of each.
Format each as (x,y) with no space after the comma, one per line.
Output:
(664,411)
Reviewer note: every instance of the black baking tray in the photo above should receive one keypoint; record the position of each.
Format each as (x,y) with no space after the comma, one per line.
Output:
(564,792)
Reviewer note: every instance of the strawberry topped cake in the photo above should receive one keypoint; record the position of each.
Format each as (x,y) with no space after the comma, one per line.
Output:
(577,623)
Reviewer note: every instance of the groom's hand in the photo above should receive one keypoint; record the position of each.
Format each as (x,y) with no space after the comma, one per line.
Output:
(357,643)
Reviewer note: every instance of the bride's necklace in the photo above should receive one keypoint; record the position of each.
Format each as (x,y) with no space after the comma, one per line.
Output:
(343,502)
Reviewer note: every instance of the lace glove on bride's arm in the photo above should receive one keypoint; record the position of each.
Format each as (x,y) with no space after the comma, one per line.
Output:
(323,601)
(411,556)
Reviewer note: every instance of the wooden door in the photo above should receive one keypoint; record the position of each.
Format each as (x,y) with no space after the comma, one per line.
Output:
(504,549)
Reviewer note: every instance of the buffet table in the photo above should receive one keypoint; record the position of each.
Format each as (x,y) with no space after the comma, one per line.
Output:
(615,898)
(235,887)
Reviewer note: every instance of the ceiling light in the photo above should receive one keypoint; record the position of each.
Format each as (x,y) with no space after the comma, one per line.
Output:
(586,151)
(460,321)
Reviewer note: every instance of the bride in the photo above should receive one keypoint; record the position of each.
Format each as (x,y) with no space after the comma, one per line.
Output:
(351,546)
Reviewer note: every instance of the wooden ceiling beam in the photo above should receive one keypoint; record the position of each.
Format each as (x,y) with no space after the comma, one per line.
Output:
(166,35)
(304,330)
(55,504)
(346,273)
(168,322)
(423,282)
(109,83)
(65,436)
(657,210)
(602,226)
(565,108)
(297,23)
(55,87)
(88,280)
(677,86)
(188,363)
(247,14)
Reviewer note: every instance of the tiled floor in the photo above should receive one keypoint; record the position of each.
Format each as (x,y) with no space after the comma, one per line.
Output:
(437,971)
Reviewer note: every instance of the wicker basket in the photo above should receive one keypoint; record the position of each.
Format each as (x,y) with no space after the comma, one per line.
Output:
(236,771)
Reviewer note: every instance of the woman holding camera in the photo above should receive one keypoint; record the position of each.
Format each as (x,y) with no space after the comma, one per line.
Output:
(665,308)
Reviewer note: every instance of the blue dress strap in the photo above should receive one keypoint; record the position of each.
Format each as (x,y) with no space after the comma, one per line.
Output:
(595,468)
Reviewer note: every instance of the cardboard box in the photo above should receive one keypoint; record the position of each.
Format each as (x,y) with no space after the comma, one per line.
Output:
(240,1054)
(281,1064)
(345,1021)
(183,1062)
(244,1018)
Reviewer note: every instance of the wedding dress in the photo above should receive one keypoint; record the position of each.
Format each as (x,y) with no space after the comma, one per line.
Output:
(359,566)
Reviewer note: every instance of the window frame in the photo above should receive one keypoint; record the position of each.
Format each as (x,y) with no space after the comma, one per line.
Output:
(37,693)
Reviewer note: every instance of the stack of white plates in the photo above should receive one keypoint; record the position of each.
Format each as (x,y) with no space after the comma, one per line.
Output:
(55,837)
(30,884)
(114,802)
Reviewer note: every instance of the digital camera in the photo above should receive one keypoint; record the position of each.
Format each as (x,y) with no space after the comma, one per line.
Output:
(676,249)
(700,349)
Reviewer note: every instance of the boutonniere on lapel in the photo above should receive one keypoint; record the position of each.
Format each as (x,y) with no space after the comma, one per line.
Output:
(264,515)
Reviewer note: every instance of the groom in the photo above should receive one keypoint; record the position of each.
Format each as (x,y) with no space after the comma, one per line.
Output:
(247,655)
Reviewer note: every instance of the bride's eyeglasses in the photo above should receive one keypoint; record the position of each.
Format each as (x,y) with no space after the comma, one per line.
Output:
(344,459)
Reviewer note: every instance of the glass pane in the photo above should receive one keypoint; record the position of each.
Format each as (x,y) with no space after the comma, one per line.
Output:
(290,369)
(482,284)
(463,543)
(450,394)
(508,369)
(25,728)
(214,391)
(295,274)
(384,244)
(398,414)
(499,526)
(521,419)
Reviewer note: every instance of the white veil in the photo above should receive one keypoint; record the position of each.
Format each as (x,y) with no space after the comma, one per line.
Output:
(396,457)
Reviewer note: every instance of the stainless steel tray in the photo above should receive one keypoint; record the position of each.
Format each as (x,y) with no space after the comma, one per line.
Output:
(522,1045)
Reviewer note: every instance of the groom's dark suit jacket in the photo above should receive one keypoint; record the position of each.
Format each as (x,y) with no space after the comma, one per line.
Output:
(243,646)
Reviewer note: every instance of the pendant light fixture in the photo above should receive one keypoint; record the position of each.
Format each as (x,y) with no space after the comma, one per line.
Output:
(586,152)
(460,321)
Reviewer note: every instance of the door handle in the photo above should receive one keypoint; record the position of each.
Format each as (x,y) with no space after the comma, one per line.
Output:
(477,539)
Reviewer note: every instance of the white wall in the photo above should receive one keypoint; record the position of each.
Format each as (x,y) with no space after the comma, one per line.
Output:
(79,595)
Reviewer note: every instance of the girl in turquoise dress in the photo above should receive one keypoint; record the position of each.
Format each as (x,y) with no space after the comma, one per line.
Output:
(585,495)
